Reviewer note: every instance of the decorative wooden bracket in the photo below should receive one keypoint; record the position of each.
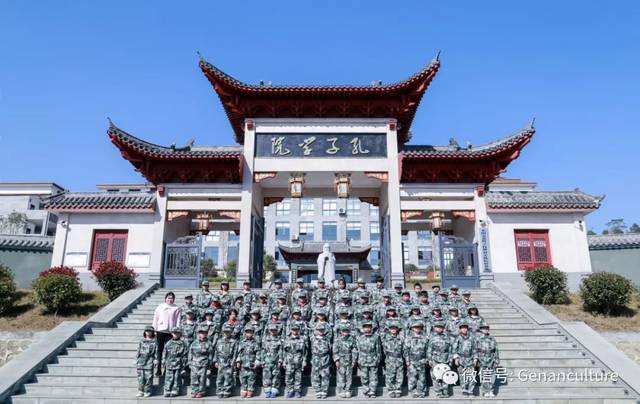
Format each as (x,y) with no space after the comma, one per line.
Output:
(380,176)
(259,177)
(231,214)
(272,199)
(470,215)
(371,200)
(175,214)
(408,214)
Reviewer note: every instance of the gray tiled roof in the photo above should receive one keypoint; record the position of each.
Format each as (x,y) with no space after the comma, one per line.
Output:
(614,241)
(576,200)
(26,242)
(454,150)
(100,201)
(188,151)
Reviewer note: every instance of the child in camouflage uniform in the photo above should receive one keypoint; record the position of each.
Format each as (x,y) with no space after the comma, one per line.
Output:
(175,353)
(464,359)
(439,351)
(392,346)
(224,358)
(320,361)
(344,356)
(295,355)
(145,361)
(415,353)
(271,360)
(200,359)
(189,327)
(247,362)
(369,352)
(487,356)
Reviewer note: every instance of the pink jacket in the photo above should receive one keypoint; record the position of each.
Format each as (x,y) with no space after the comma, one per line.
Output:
(166,317)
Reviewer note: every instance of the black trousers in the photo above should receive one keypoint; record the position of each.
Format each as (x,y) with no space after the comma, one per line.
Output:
(162,338)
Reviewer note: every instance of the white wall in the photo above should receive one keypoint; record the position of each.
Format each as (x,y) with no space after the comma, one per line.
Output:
(567,239)
(75,235)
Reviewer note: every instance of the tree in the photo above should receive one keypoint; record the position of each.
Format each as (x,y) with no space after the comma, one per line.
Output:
(605,232)
(616,226)
(591,233)
(269,267)
(13,223)
(411,268)
(230,269)
(635,228)
(208,268)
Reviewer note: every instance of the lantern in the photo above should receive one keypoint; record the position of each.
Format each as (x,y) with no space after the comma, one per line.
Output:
(296,180)
(343,185)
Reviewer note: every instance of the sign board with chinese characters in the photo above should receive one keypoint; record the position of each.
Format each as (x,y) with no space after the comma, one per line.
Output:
(321,145)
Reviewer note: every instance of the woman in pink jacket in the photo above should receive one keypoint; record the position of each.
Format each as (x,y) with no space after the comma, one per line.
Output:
(165,318)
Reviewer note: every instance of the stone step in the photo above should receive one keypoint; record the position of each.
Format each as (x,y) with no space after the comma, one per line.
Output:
(505,391)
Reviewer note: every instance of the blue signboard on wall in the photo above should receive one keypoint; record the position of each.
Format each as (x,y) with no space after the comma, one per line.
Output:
(321,145)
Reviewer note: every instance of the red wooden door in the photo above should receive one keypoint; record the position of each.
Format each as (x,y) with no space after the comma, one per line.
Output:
(532,248)
(108,245)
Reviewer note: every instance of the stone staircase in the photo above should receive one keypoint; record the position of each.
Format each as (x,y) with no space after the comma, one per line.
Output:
(99,367)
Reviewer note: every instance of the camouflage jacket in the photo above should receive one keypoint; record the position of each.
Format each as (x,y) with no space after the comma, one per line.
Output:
(356,294)
(226,299)
(369,350)
(338,293)
(415,348)
(189,332)
(248,352)
(474,323)
(200,354)
(295,351)
(224,353)
(315,296)
(452,326)
(463,347)
(203,299)
(463,307)
(146,354)
(440,348)
(344,350)
(486,351)
(271,352)
(295,294)
(392,346)
(185,307)
(304,329)
(320,350)
(404,309)
(175,354)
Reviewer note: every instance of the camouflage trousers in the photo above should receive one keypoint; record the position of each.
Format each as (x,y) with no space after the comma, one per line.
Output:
(224,380)
(487,378)
(344,377)
(247,379)
(293,378)
(145,380)
(369,377)
(417,379)
(439,387)
(172,381)
(393,375)
(467,377)
(320,378)
(198,379)
(271,375)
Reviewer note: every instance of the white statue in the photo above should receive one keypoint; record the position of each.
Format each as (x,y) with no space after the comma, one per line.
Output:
(327,265)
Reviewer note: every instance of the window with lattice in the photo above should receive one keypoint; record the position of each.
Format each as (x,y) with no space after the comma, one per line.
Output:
(532,248)
(108,245)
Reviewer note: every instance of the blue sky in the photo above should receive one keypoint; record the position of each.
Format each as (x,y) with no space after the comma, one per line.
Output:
(66,65)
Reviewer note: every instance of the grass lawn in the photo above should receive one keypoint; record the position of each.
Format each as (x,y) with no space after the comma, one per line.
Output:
(627,320)
(27,316)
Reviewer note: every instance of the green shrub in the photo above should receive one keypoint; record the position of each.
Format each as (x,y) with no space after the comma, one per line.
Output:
(115,278)
(605,292)
(7,288)
(548,285)
(67,271)
(56,291)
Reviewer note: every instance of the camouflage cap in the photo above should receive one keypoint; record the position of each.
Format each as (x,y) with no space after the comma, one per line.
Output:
(296,310)
(386,293)
(435,286)
(444,292)
(303,293)
(249,329)
(367,309)
(203,329)
(394,324)
(295,326)
(300,280)
(321,313)
(188,297)
(176,330)
(484,325)
(276,310)
(227,328)
(453,308)
(424,293)
(417,324)
(320,280)
(438,323)
(149,328)
(361,280)
(463,324)
(189,310)
(320,327)
(453,287)
(344,327)
(343,310)
(279,281)
(406,292)
(224,283)
(281,296)
(262,294)
(209,311)
(272,327)
(391,308)
(436,308)
(365,294)
(205,283)
(233,309)
(255,311)
(472,307)
(239,296)
(397,285)
(366,323)
(466,292)
(416,307)
(379,279)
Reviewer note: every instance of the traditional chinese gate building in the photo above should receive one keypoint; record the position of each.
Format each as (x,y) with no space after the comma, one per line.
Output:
(321,141)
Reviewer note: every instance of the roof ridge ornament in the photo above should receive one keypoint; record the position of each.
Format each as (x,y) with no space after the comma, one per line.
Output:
(437,57)
(531,123)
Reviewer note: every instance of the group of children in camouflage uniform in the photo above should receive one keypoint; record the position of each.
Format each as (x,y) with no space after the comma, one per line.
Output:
(246,335)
